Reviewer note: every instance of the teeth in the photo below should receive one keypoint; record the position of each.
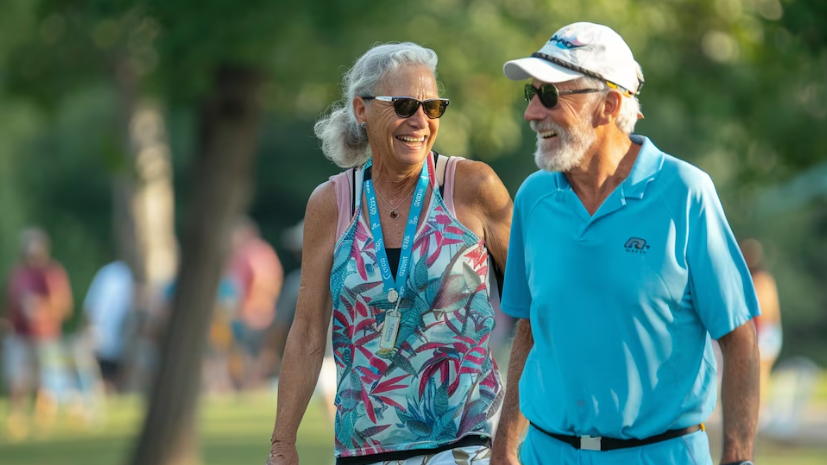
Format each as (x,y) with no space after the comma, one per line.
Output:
(546,135)
(411,139)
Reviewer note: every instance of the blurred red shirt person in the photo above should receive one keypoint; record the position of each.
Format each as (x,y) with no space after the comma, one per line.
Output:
(38,297)
(38,301)
(257,271)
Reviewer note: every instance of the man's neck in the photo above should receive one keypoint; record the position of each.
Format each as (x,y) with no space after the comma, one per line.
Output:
(609,164)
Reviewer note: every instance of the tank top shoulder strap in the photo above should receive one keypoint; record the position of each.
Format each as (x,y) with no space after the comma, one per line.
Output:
(448,184)
(342,185)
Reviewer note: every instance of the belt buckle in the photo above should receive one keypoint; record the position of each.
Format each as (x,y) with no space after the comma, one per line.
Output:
(590,442)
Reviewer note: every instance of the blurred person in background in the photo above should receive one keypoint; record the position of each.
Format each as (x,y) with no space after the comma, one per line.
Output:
(216,375)
(412,306)
(768,324)
(273,348)
(38,301)
(621,266)
(258,276)
(98,348)
(108,309)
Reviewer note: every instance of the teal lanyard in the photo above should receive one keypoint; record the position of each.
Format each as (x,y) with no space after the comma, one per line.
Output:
(395,290)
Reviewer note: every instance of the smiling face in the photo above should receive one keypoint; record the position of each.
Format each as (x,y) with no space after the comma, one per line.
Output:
(406,140)
(565,133)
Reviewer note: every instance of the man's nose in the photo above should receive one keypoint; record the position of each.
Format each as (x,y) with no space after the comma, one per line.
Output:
(535,110)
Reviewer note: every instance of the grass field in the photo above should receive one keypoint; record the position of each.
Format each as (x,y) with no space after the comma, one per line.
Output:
(235,431)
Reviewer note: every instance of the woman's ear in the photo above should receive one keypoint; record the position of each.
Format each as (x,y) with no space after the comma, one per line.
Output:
(360,109)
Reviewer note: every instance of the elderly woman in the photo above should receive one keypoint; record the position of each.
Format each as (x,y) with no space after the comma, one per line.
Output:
(397,252)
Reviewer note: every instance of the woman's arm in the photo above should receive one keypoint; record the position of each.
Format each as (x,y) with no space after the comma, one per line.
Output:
(484,205)
(305,347)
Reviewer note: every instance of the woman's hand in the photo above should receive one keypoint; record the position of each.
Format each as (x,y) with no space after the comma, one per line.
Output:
(283,453)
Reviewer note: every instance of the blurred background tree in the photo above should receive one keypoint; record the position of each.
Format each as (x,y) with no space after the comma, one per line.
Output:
(107,107)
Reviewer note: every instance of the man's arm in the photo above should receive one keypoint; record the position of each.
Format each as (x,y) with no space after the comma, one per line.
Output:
(512,422)
(740,392)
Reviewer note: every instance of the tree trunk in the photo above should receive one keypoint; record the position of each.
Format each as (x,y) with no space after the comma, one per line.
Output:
(228,136)
(144,202)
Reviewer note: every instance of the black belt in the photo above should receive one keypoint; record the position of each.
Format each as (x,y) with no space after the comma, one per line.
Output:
(605,444)
(467,441)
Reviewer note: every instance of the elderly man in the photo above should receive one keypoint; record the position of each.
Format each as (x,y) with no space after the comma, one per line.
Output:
(620,268)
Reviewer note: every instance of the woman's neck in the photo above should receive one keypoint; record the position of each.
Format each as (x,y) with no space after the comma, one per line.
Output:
(394,180)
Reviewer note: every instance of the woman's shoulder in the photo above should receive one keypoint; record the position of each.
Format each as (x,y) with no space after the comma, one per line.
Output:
(322,200)
(476,180)
(320,218)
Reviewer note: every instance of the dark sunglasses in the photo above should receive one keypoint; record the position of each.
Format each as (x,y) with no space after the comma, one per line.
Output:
(550,95)
(406,106)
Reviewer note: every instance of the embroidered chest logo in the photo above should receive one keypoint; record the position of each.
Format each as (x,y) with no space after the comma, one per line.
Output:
(636,245)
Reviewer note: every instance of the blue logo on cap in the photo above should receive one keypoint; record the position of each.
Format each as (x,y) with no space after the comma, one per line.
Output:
(565,43)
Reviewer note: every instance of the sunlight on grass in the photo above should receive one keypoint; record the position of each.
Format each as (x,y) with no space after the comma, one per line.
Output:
(234,430)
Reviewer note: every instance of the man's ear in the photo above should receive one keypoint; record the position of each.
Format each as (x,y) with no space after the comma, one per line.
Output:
(611,107)
(360,109)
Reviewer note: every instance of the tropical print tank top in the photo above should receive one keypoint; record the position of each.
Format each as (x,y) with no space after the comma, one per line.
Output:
(440,383)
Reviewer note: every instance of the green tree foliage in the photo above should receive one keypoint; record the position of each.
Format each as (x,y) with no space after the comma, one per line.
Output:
(735,86)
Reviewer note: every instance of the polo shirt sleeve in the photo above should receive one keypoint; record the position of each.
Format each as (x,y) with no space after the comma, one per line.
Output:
(516,299)
(721,286)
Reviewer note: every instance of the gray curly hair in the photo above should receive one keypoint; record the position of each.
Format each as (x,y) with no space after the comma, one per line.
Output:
(343,141)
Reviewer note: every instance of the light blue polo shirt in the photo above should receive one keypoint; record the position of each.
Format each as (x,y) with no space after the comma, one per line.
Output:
(622,304)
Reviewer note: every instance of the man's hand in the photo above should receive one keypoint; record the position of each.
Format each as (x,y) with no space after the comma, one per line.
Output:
(283,453)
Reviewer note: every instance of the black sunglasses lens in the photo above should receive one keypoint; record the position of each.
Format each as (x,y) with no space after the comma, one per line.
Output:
(405,107)
(530,91)
(435,108)
(547,93)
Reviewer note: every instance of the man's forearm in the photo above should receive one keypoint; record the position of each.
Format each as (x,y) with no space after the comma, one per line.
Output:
(298,375)
(512,422)
(740,393)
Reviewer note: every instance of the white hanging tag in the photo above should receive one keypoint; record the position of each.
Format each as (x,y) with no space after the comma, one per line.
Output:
(390,330)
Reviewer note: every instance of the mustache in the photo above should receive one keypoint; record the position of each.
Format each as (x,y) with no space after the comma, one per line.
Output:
(545,126)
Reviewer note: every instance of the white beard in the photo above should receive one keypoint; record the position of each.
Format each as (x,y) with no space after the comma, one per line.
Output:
(573,146)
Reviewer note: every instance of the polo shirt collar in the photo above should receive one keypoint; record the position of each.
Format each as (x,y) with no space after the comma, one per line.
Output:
(646,168)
